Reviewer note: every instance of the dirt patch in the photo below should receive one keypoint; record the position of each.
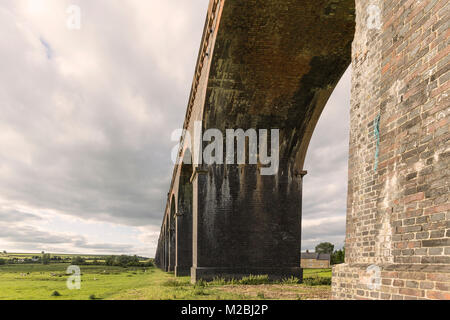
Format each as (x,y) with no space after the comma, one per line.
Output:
(281,292)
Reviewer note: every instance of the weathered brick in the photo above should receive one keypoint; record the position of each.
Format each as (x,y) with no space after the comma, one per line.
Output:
(385,296)
(436,243)
(412,284)
(438,217)
(422,235)
(442,277)
(412,275)
(426,285)
(437,234)
(438,295)
(411,292)
(398,283)
(443,286)
(435,251)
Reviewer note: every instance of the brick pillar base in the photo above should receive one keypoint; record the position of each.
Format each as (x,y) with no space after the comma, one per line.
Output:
(391,282)
(182,271)
(209,274)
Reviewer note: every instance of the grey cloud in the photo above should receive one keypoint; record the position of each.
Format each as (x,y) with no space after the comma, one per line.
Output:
(17,216)
(97,145)
(31,238)
(28,234)
(113,248)
(97,160)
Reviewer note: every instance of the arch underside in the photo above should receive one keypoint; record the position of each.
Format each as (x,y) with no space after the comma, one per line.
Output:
(275,65)
(184,222)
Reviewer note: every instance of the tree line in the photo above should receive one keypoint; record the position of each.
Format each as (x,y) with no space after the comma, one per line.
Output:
(337,256)
(46,258)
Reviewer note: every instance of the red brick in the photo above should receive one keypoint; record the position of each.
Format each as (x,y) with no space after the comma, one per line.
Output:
(443,286)
(414,197)
(411,292)
(438,295)
(442,277)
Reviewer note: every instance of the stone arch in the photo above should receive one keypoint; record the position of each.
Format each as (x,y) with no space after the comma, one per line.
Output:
(184,219)
(166,245)
(265,74)
(172,234)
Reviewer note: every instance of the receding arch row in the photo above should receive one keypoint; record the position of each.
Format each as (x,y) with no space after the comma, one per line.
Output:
(174,251)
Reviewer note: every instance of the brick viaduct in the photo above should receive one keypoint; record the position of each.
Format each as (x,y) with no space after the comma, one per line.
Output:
(273,64)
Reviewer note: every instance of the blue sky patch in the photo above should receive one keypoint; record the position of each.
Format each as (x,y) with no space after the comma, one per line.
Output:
(48,48)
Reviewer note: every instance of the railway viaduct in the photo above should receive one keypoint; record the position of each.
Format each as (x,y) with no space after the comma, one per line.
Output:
(273,64)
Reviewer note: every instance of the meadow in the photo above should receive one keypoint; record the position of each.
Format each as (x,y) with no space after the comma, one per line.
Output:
(48,282)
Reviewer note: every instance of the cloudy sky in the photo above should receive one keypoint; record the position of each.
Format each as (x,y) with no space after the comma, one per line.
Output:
(86,118)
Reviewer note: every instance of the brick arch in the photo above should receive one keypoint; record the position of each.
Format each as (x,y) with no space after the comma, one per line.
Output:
(184,219)
(265,73)
(172,234)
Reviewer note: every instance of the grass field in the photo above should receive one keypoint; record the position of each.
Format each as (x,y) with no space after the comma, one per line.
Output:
(39,282)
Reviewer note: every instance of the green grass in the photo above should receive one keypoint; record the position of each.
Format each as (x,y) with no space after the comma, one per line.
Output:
(39,282)
(48,282)
(310,273)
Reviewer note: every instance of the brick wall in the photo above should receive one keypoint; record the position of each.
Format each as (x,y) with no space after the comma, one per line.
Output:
(395,282)
(398,215)
(314,264)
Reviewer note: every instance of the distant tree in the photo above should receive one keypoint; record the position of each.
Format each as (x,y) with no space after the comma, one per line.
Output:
(123,261)
(325,247)
(78,260)
(338,256)
(2,262)
(46,258)
(148,263)
(97,262)
(128,261)
(4,252)
(110,260)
